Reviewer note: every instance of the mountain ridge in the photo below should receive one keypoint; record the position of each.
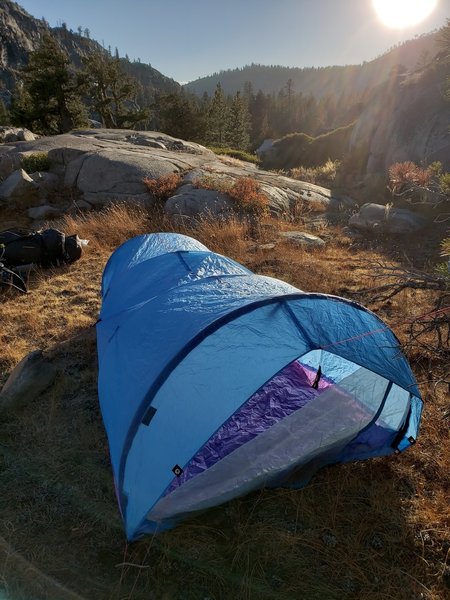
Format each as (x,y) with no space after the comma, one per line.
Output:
(321,81)
(21,33)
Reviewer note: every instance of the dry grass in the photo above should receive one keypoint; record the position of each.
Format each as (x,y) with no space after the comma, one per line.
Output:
(325,174)
(374,530)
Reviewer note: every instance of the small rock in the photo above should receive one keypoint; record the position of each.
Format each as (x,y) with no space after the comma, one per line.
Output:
(384,219)
(301,238)
(44,212)
(20,188)
(16,134)
(29,378)
(25,135)
(197,202)
(47,182)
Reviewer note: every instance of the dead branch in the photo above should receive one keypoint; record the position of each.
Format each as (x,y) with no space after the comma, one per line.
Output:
(400,278)
(427,334)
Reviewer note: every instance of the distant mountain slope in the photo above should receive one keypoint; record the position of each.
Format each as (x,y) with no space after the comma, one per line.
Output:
(20,34)
(321,81)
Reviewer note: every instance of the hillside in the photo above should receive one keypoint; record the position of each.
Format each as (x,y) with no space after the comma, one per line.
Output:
(346,80)
(20,34)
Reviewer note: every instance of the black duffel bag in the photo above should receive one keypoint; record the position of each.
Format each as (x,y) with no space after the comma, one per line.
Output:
(44,248)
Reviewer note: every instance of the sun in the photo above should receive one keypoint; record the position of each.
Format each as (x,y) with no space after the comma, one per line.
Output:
(400,14)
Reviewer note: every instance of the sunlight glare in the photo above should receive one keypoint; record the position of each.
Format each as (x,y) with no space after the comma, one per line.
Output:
(400,14)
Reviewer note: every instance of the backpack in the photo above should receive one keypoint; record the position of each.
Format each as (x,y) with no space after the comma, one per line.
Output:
(42,248)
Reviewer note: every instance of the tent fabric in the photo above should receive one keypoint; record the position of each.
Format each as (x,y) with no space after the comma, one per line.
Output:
(214,381)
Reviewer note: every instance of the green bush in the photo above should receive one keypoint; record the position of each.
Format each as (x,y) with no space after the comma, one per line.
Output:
(38,161)
(300,149)
(239,154)
(444,182)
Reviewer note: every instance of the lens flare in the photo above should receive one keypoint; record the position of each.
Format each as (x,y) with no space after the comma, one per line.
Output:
(400,14)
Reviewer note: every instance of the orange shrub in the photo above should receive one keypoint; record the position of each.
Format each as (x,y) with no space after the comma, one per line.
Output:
(406,174)
(245,193)
(163,187)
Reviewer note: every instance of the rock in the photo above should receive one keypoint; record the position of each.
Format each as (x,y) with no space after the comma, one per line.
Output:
(193,175)
(414,128)
(262,247)
(25,135)
(120,173)
(19,189)
(44,178)
(46,182)
(280,200)
(266,146)
(44,212)
(29,378)
(9,161)
(140,140)
(378,218)
(106,165)
(16,134)
(301,238)
(341,203)
(196,202)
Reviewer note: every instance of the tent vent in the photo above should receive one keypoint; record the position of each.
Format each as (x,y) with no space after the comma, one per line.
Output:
(150,413)
(177,470)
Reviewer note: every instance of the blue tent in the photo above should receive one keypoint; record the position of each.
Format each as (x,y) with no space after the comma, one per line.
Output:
(214,381)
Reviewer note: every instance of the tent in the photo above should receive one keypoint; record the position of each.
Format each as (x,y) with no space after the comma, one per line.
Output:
(214,381)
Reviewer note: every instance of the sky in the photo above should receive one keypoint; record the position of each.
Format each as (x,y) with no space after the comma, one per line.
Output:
(188,39)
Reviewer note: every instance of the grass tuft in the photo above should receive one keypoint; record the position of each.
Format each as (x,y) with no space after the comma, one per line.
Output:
(35,161)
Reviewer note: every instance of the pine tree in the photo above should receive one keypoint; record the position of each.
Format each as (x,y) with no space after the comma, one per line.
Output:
(112,93)
(48,101)
(217,119)
(180,116)
(238,124)
(259,111)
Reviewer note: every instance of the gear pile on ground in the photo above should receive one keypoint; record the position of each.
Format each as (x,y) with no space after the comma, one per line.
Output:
(21,251)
